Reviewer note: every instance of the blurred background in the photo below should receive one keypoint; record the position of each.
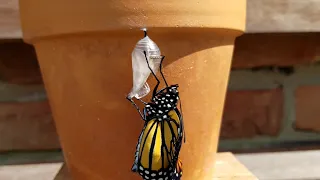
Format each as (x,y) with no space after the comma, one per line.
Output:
(272,104)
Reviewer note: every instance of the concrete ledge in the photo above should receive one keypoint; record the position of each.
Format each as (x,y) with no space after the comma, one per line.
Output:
(295,165)
(262,16)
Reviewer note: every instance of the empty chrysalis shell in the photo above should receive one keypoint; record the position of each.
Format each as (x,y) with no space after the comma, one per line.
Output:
(140,68)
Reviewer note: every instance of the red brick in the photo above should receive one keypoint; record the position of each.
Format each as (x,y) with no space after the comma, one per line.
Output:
(307,105)
(18,63)
(274,49)
(251,113)
(27,126)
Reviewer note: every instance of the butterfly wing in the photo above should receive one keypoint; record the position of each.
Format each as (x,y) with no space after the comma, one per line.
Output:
(176,145)
(136,156)
(156,151)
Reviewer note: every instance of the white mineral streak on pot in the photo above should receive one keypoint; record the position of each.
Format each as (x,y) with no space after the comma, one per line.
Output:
(140,68)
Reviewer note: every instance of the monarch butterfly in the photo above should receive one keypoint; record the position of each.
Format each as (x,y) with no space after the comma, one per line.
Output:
(160,141)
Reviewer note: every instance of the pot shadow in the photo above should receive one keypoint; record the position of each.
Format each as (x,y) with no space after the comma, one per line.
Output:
(190,39)
(176,43)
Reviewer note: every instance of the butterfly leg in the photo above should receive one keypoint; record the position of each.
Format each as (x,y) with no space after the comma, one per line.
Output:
(158,82)
(136,106)
(165,81)
(143,101)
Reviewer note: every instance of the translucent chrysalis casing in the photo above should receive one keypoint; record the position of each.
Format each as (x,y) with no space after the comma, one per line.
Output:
(140,68)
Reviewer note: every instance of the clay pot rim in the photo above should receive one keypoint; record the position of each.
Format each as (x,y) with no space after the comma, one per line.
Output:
(228,32)
(40,19)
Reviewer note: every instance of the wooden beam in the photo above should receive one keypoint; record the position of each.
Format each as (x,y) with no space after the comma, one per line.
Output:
(276,49)
(283,16)
(9,19)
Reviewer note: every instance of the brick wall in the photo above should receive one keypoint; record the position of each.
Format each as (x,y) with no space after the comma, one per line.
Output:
(272,99)
(266,107)
(25,116)
(274,92)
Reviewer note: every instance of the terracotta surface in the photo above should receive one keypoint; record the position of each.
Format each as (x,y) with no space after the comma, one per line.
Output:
(87,99)
(98,15)
(227,166)
(262,16)
(88,74)
(63,173)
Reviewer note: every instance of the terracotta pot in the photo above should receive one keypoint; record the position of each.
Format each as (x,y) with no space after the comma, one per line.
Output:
(84,50)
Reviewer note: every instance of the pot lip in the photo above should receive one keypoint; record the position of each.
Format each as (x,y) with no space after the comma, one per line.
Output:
(62,17)
(115,33)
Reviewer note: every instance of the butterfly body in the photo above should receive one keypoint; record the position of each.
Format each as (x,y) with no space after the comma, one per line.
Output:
(160,141)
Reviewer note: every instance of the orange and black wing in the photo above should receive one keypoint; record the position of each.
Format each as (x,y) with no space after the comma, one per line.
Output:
(157,147)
